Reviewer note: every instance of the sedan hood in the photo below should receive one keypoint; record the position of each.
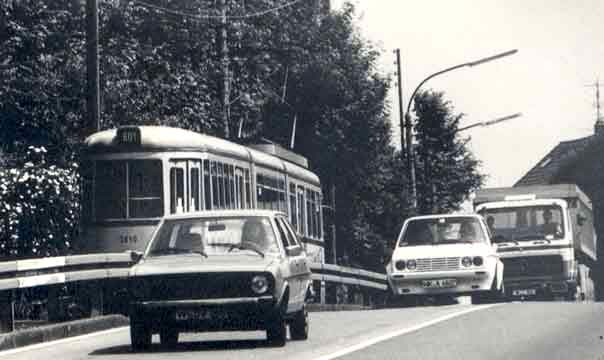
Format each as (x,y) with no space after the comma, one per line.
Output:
(195,263)
(439,251)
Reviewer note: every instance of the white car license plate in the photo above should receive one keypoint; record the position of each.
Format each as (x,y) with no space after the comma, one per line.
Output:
(193,315)
(439,283)
(524,292)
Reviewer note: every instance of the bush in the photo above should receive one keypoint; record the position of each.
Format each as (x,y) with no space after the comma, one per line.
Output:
(39,207)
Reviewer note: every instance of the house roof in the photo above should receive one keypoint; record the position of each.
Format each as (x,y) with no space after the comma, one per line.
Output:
(547,168)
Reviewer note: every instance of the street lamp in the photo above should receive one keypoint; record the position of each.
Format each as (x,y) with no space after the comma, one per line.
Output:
(408,126)
(490,122)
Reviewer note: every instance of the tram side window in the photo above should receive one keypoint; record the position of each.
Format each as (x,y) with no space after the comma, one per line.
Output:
(215,189)
(271,192)
(310,219)
(207,185)
(195,203)
(248,190)
(177,190)
(144,189)
(301,213)
(293,208)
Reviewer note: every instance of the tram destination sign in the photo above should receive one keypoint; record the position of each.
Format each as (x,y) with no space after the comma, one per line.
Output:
(129,135)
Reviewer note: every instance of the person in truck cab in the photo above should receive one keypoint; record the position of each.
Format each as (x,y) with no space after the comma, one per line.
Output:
(550,227)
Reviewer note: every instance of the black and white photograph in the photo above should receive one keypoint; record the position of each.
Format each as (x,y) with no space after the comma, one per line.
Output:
(301,179)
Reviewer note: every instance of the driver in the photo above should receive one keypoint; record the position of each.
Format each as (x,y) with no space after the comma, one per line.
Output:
(255,233)
(550,227)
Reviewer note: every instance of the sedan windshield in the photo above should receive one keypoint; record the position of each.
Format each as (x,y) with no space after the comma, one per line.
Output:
(215,236)
(443,230)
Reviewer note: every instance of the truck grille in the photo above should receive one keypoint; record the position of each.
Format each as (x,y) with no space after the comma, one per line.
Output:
(533,266)
(438,264)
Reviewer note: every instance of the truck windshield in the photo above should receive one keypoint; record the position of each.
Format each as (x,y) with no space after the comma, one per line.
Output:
(443,230)
(525,223)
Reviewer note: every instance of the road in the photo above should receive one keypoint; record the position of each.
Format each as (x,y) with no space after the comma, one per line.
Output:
(529,330)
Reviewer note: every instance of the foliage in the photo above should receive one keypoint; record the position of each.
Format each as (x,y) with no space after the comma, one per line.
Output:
(39,207)
(41,87)
(446,170)
(162,64)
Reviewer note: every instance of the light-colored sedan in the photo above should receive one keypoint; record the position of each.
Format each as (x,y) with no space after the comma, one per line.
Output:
(445,254)
(220,270)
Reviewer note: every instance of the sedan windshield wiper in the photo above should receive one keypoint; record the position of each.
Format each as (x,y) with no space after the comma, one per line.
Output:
(171,251)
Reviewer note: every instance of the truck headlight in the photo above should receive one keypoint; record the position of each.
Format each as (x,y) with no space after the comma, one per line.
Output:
(259,284)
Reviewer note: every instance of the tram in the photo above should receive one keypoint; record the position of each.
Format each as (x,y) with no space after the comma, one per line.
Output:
(134,175)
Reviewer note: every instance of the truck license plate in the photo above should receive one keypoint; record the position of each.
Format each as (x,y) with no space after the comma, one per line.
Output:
(524,292)
(439,283)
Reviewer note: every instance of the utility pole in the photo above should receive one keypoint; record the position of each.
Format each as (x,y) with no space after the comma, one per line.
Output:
(92,66)
(400,98)
(224,53)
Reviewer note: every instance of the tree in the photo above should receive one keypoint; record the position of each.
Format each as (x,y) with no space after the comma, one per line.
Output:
(447,171)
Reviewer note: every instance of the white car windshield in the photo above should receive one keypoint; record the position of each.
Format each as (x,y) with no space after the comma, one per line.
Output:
(215,236)
(442,230)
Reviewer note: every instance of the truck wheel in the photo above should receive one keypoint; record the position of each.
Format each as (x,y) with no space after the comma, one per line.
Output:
(298,328)
(140,334)
(168,337)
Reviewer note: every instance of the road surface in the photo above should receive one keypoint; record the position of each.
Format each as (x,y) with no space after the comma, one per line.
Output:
(531,330)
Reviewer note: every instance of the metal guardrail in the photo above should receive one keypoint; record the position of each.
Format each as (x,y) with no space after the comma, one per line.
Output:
(48,271)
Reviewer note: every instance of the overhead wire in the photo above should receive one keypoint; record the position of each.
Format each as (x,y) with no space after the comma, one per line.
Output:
(209,17)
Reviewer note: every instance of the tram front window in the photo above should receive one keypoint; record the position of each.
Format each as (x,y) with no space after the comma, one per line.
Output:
(128,189)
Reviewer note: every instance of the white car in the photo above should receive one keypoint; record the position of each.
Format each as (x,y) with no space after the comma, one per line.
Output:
(445,255)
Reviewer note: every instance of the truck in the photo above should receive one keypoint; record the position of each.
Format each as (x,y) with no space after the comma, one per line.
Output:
(546,240)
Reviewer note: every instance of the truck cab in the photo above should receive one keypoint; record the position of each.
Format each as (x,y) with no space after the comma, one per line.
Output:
(545,237)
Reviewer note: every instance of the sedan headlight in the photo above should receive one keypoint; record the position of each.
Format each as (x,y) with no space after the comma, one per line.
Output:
(259,284)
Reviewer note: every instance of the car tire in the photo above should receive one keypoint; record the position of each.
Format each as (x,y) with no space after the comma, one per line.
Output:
(298,328)
(140,334)
(168,337)
(276,331)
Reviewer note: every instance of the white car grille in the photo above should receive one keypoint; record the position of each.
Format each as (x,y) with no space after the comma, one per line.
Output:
(438,264)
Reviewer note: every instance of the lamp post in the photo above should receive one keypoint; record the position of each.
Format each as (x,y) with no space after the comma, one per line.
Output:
(490,122)
(408,126)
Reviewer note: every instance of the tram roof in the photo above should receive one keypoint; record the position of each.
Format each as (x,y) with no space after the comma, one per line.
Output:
(164,138)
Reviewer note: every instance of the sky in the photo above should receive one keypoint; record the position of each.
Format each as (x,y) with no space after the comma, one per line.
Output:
(549,80)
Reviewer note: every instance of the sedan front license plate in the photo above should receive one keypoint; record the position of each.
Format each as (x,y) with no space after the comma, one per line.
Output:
(439,283)
(524,292)
(193,315)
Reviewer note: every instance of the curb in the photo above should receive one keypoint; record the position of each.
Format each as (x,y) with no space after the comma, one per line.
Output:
(42,334)
(46,333)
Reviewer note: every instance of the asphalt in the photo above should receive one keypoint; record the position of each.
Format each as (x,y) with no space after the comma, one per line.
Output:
(50,332)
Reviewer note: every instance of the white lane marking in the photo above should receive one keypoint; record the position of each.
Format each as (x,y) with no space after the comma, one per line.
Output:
(61,341)
(400,332)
